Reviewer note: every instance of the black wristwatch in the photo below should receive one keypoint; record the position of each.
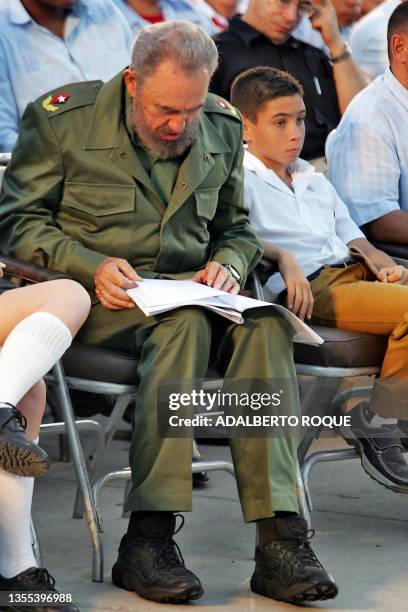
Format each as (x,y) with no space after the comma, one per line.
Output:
(233,272)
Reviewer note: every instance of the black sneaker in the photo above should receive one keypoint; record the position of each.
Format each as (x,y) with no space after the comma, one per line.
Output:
(151,563)
(287,568)
(38,581)
(18,454)
(379,447)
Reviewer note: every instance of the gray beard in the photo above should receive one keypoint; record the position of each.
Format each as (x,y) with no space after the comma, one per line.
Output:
(157,147)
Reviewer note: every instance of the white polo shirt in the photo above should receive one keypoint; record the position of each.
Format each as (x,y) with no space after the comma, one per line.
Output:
(311,221)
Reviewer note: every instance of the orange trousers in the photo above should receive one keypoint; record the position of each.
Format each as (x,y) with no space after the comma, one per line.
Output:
(351,298)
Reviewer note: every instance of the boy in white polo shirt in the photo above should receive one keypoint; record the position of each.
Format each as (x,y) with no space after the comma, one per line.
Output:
(306,229)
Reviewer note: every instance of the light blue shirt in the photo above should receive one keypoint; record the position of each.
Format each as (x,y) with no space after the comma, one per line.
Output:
(368,154)
(33,60)
(173,10)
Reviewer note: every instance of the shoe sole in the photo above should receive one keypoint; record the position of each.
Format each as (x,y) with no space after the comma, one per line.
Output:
(158,595)
(369,468)
(309,592)
(22,461)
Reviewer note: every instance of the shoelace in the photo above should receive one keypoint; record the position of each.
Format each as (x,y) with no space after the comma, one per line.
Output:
(300,549)
(169,553)
(16,415)
(42,579)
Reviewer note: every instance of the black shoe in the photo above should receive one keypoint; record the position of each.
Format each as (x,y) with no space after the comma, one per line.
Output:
(151,564)
(200,480)
(18,454)
(35,580)
(287,568)
(379,447)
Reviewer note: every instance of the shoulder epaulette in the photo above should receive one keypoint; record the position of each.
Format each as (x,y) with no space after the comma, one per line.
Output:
(70,96)
(216,104)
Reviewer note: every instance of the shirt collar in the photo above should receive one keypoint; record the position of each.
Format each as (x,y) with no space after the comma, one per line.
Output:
(302,172)
(396,88)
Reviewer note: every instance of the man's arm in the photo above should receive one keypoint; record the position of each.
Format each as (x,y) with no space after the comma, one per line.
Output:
(388,270)
(29,202)
(348,78)
(392,227)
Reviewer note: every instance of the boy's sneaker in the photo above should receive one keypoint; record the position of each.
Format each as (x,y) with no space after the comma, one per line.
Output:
(18,453)
(287,568)
(151,564)
(379,447)
(41,585)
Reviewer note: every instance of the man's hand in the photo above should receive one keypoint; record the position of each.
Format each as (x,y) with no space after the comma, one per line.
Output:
(113,276)
(300,298)
(324,19)
(2,266)
(394,274)
(215,275)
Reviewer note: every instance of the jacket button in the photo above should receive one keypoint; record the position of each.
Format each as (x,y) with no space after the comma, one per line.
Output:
(122,154)
(206,156)
(184,186)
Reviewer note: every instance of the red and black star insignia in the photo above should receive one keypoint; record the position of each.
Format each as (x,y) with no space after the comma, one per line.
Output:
(53,103)
(226,105)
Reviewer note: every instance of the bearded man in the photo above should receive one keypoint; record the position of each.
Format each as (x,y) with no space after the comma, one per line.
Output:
(142,177)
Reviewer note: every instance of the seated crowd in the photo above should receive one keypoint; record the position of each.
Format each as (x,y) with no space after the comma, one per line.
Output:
(125,167)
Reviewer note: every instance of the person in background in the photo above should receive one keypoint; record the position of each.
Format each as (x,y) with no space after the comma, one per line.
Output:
(219,11)
(347,11)
(47,43)
(141,13)
(263,37)
(367,155)
(368,41)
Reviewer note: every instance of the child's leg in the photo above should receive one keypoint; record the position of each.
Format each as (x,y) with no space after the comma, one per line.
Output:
(37,324)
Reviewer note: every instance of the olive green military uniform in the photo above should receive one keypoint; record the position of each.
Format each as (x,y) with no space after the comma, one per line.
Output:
(79,189)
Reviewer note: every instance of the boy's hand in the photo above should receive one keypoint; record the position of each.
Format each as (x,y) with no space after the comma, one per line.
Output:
(394,274)
(300,298)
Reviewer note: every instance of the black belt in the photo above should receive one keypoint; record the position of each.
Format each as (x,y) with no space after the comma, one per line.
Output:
(343,264)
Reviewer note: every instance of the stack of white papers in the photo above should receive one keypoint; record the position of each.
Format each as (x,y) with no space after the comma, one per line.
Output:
(154,296)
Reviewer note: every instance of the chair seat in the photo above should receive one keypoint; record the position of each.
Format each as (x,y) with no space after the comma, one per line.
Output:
(93,363)
(342,349)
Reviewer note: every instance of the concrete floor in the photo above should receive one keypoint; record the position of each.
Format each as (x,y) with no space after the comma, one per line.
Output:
(361,538)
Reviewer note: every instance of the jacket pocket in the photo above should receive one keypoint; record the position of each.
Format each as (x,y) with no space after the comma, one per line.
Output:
(206,201)
(99,199)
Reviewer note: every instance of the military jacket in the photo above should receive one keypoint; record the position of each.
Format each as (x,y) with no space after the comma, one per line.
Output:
(75,191)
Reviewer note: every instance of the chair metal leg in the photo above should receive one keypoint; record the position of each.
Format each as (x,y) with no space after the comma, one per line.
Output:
(326,455)
(109,430)
(304,500)
(94,525)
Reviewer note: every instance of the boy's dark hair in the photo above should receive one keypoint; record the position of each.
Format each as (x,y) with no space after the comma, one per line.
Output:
(254,87)
(398,22)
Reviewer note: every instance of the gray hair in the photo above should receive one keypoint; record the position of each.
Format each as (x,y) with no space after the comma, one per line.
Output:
(186,44)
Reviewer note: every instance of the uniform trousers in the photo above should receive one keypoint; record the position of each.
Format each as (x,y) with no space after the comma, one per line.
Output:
(177,345)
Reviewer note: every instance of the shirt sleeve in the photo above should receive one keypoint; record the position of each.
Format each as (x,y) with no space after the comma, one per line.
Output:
(8,105)
(29,202)
(234,241)
(364,168)
(346,229)
(369,48)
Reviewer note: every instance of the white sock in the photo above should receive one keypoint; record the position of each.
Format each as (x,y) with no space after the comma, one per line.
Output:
(16,552)
(29,352)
